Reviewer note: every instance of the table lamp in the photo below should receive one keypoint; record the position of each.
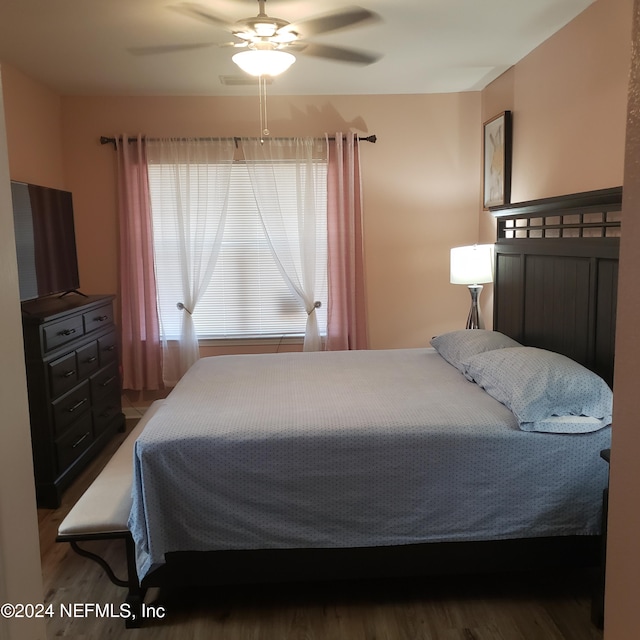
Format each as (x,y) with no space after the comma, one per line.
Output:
(473,266)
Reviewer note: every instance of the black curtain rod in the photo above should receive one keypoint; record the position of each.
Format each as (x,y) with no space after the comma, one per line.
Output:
(107,140)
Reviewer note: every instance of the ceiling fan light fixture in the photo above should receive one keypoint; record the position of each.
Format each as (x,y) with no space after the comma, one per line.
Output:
(264,62)
(265,29)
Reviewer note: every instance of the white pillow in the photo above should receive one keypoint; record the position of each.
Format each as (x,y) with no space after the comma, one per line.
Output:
(457,346)
(545,390)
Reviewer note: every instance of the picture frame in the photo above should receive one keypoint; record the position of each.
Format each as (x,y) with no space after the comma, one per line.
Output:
(496,161)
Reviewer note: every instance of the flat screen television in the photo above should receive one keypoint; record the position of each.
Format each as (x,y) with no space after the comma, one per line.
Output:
(45,240)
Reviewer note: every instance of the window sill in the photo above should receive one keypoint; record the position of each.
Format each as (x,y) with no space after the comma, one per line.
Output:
(250,342)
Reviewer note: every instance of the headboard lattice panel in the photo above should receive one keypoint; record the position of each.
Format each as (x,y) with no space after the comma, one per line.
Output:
(594,214)
(556,288)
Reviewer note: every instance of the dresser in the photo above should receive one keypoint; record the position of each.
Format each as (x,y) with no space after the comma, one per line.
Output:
(73,380)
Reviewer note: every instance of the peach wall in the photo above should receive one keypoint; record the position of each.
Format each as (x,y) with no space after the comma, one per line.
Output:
(34,132)
(419,181)
(622,614)
(20,576)
(570,105)
(568,99)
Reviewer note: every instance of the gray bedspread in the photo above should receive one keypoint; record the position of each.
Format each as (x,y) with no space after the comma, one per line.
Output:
(344,449)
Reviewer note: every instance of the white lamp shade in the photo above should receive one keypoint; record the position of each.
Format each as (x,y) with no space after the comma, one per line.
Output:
(472,264)
(264,62)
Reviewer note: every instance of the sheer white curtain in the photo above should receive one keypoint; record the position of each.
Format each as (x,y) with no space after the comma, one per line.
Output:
(195,176)
(295,255)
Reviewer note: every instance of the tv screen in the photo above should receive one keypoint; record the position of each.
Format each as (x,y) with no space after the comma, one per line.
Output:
(45,240)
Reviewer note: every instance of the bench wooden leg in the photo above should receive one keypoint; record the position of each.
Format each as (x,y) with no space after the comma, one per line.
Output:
(135,592)
(99,560)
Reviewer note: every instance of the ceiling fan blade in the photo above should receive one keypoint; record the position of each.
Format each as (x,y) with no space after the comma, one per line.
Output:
(167,48)
(235,45)
(331,21)
(337,53)
(195,10)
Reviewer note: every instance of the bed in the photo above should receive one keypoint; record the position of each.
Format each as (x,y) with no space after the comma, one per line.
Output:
(260,467)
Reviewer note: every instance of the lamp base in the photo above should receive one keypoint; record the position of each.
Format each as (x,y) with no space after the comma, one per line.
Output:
(473,320)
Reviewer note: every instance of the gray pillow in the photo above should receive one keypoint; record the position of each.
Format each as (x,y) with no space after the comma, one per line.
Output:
(457,346)
(545,390)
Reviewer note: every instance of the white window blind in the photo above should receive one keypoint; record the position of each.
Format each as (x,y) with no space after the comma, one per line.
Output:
(246,297)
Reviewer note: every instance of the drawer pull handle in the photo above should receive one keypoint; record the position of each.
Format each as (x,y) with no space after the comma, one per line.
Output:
(66,332)
(111,347)
(108,381)
(77,405)
(91,359)
(101,318)
(80,440)
(68,374)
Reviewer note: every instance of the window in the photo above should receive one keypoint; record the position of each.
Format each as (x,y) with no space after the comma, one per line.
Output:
(246,296)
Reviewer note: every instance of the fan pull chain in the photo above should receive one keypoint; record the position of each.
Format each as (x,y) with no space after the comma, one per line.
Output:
(262,88)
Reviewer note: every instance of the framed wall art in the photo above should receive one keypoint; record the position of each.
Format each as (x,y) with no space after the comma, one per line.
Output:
(496,166)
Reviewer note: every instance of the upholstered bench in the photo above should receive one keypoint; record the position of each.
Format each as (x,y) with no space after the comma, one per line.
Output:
(102,513)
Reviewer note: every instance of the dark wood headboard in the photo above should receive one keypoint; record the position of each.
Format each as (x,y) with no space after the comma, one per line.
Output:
(556,275)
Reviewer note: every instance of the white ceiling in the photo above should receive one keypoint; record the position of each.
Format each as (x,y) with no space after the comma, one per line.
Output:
(428,46)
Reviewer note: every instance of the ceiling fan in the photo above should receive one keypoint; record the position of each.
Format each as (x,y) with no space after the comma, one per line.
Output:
(266,33)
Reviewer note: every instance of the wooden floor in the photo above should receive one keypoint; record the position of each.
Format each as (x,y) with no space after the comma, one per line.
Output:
(502,607)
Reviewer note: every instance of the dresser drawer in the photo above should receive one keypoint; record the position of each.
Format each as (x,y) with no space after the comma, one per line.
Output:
(59,333)
(105,410)
(63,374)
(70,406)
(97,318)
(105,382)
(87,359)
(107,348)
(74,443)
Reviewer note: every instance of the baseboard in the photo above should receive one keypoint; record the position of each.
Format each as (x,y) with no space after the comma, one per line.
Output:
(133,413)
